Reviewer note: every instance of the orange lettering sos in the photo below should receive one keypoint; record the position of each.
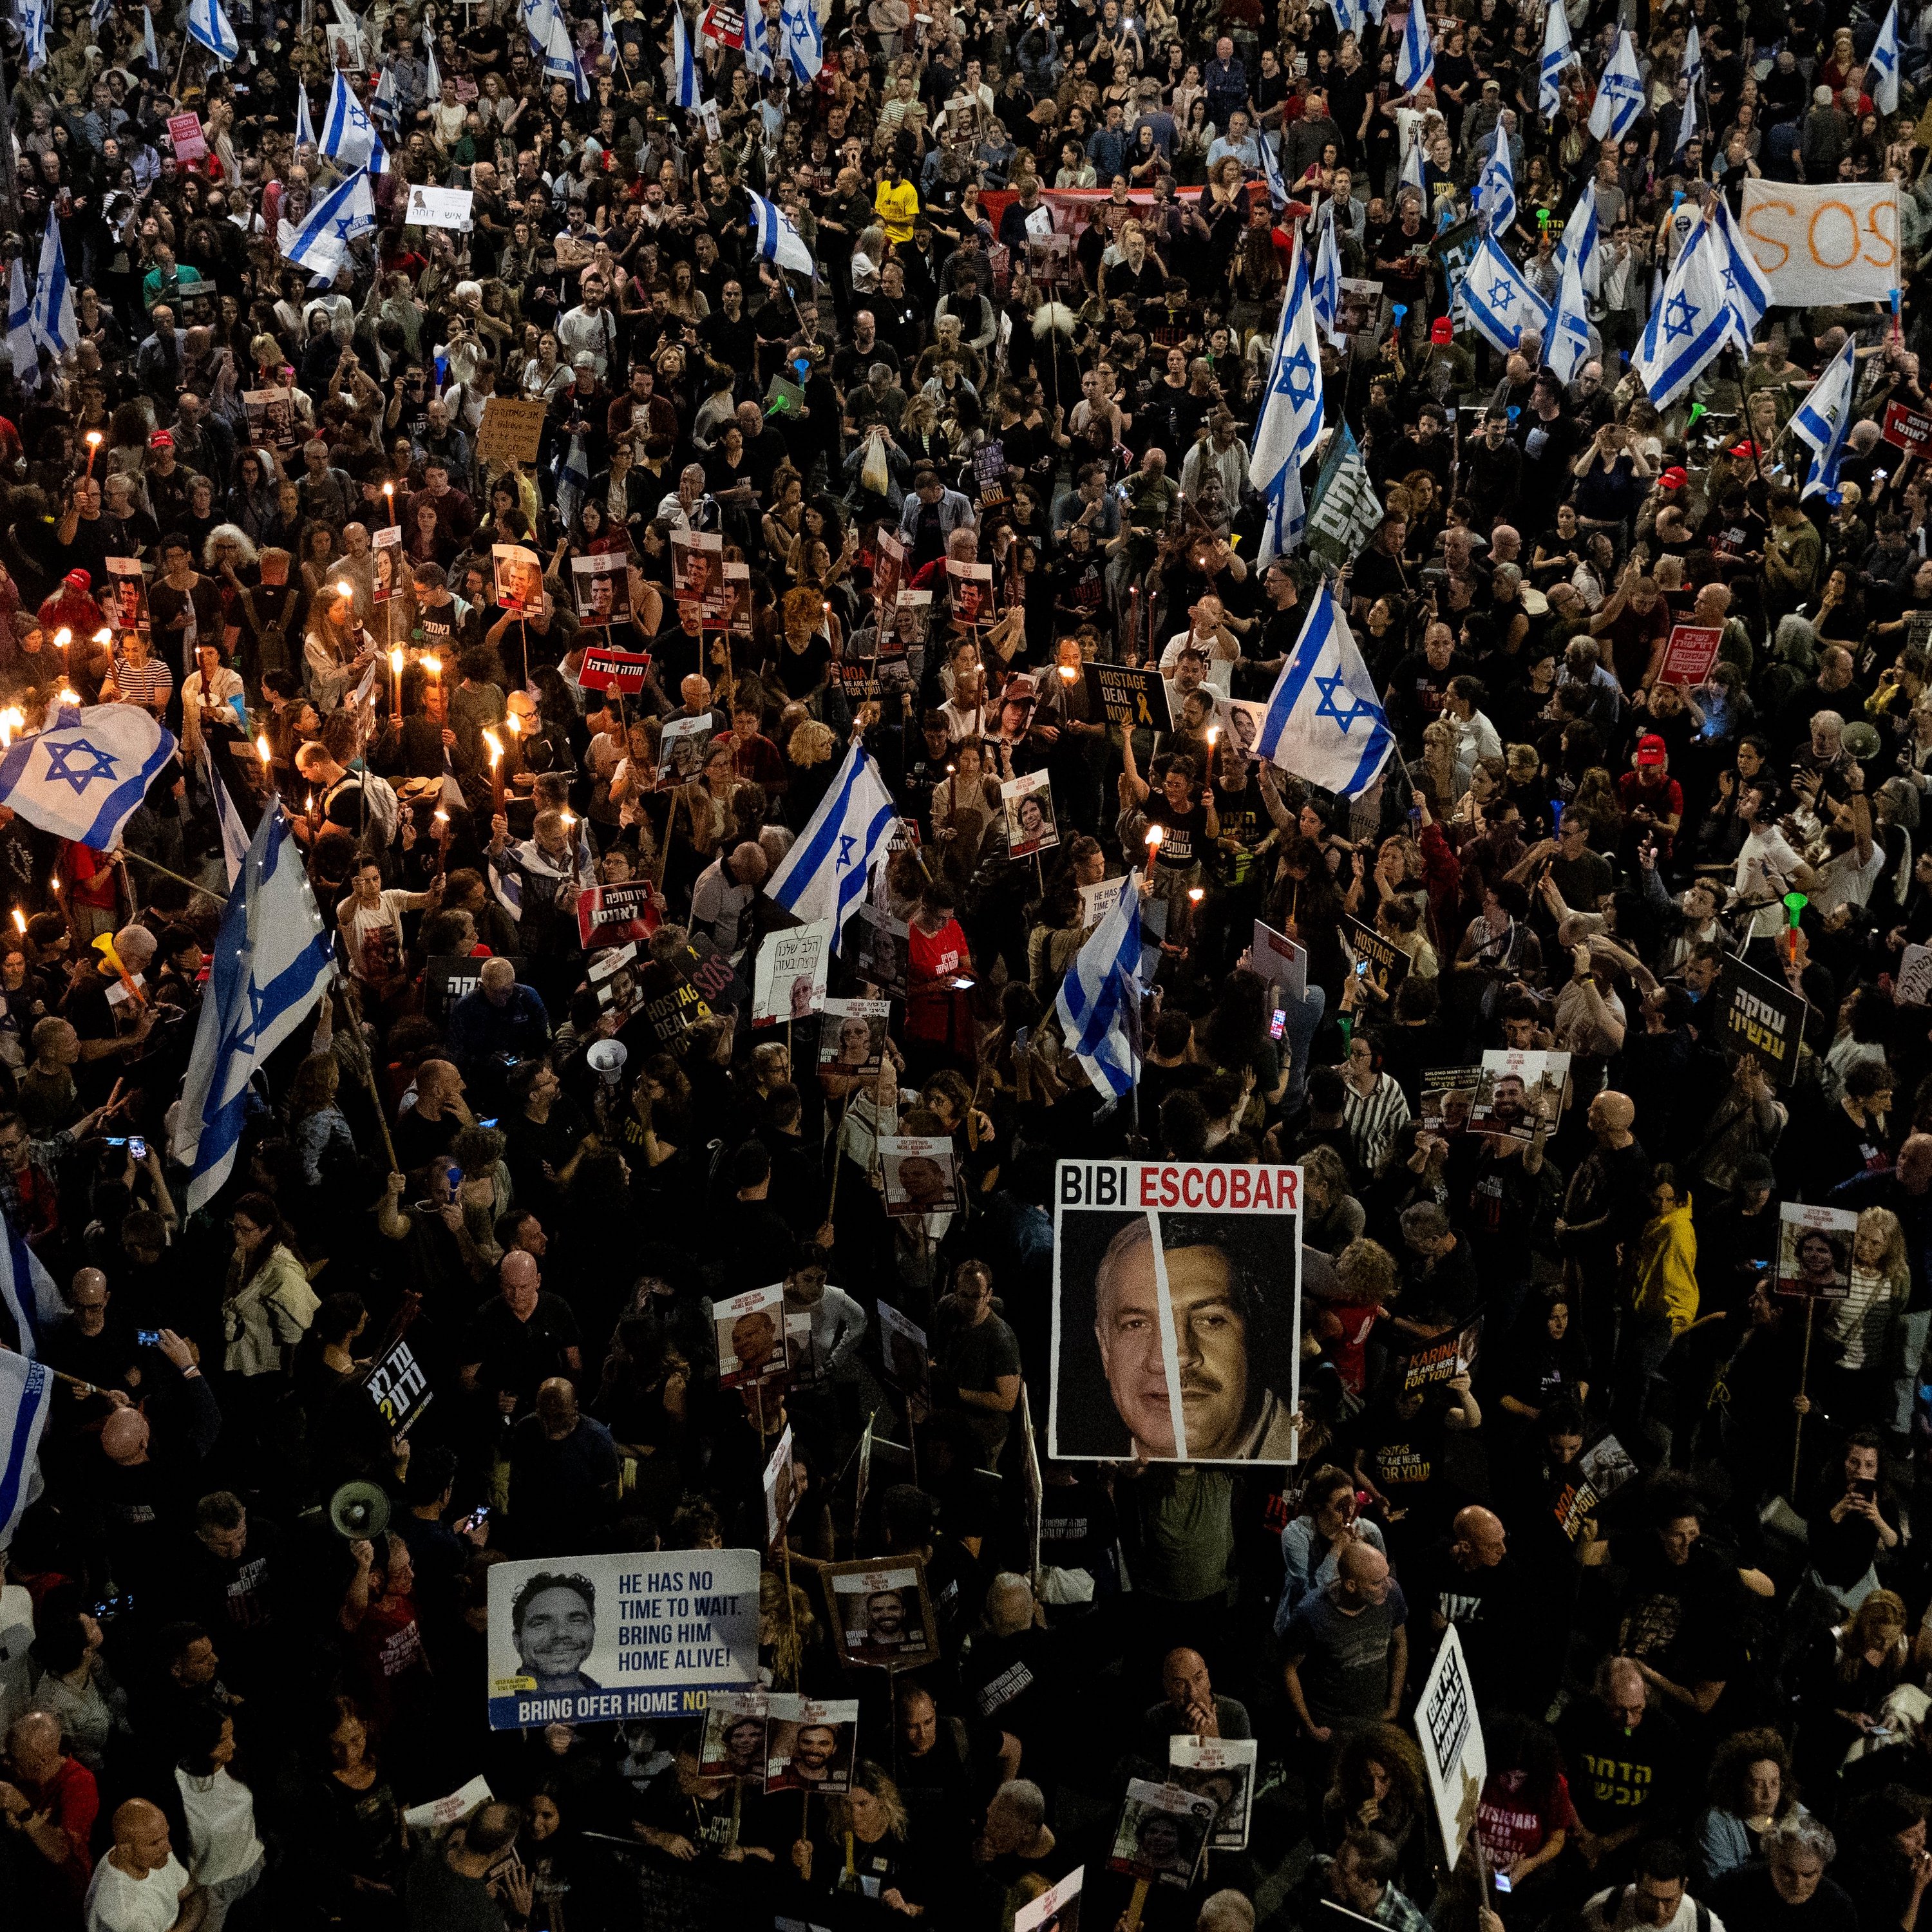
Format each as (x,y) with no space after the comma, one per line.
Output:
(1833,238)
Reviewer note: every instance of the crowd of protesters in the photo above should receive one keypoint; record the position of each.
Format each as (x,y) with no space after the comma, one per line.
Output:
(1048,273)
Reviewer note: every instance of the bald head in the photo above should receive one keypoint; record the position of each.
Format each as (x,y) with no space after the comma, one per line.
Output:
(518,1273)
(34,1746)
(1477,1538)
(1009,1605)
(124,1438)
(140,1837)
(498,980)
(1612,1113)
(134,945)
(1363,1572)
(1228,1911)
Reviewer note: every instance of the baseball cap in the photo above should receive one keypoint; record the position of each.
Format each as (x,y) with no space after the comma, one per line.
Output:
(160,439)
(1747,449)
(80,580)
(1673,479)
(1651,750)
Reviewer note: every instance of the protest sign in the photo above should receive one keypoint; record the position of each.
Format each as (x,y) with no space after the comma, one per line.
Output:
(1830,244)
(1814,1251)
(1223,1769)
(971,587)
(910,624)
(888,570)
(1153,1257)
(788,979)
(1240,721)
(511,431)
(613,915)
(1602,1470)
(1162,1832)
(601,586)
(345,48)
(669,1013)
(1691,651)
(1098,900)
(1761,1016)
(1133,695)
(882,1613)
(385,563)
(1518,1091)
(124,602)
(621,671)
(186,138)
(697,572)
(448,977)
(750,1332)
(1028,800)
(811,1744)
(398,1387)
(710,972)
(612,979)
(442,1813)
(440,207)
(682,751)
(273,420)
(518,577)
(852,1036)
(595,1640)
(1443,1359)
(1451,1734)
(921,1174)
(1281,961)
(1377,962)
(902,1348)
(1056,1909)
(878,947)
(1448,1094)
(781,1488)
(1905,429)
(1913,986)
(736,1740)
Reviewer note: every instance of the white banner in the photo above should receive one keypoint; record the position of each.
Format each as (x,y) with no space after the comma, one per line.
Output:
(1835,243)
(440,208)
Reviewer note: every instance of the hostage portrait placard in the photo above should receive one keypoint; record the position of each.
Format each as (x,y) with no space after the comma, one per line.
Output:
(1223,1769)
(921,1174)
(1028,800)
(810,1744)
(736,1728)
(852,1036)
(519,577)
(601,586)
(1518,1091)
(881,1614)
(789,976)
(1814,1251)
(595,1640)
(1176,1309)
(1162,1832)
(750,1336)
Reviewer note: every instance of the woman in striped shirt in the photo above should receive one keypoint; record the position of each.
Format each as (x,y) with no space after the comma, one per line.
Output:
(1373,1105)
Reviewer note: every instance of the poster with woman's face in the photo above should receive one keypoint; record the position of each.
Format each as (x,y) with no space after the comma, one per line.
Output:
(1814,1251)
(921,1174)
(600,586)
(881,1615)
(736,1732)
(683,749)
(750,1336)
(852,1035)
(519,577)
(1223,1769)
(812,1744)
(386,559)
(1028,800)
(1161,1833)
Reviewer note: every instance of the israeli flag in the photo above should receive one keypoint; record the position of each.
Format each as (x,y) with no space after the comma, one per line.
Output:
(271,963)
(1287,520)
(685,89)
(208,24)
(433,78)
(346,210)
(52,320)
(348,134)
(1687,123)
(21,342)
(560,61)
(101,14)
(33,17)
(1824,419)
(1277,188)
(1324,284)
(1582,238)
(1099,1001)
(1688,326)
(1619,94)
(1323,694)
(1881,64)
(1291,411)
(82,778)
(1500,305)
(757,41)
(1568,347)
(150,53)
(1349,17)
(1747,288)
(801,39)
(1411,170)
(31,1301)
(1557,61)
(1495,189)
(383,105)
(305,127)
(234,834)
(824,875)
(26,1400)
(776,239)
(610,40)
(1415,58)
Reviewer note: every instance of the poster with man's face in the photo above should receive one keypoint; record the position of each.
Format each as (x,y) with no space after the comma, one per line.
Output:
(903,1349)
(1162,1832)
(812,1744)
(852,1036)
(921,1174)
(971,585)
(601,587)
(1518,1091)
(788,978)
(519,577)
(737,1731)
(1814,1251)
(697,572)
(612,977)
(889,571)
(1223,1769)
(780,1487)
(126,602)
(1176,1309)
(1028,801)
(683,750)
(1448,1096)
(881,1614)
(750,1336)
(385,560)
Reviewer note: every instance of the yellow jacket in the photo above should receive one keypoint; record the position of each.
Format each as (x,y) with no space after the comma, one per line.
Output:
(1664,1278)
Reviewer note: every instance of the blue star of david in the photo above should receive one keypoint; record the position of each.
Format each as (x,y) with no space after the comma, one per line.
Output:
(342,227)
(1679,313)
(1327,708)
(846,841)
(1500,292)
(242,1040)
(1298,376)
(61,763)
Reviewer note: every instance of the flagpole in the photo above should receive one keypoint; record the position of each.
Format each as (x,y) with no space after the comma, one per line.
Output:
(10,190)
(142,858)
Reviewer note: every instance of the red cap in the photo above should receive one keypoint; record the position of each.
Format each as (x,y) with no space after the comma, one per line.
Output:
(1747,449)
(1673,479)
(160,439)
(80,580)
(1441,331)
(1651,750)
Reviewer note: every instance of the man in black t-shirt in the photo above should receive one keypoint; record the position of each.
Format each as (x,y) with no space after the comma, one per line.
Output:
(519,1339)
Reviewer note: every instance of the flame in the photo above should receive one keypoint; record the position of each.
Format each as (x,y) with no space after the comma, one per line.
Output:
(67,697)
(95,440)
(1155,834)
(1068,674)
(396,660)
(496,745)
(345,589)
(63,636)
(19,917)
(262,750)
(514,724)
(434,666)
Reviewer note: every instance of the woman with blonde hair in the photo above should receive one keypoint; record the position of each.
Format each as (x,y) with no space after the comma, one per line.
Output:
(787,1628)
(1861,1324)
(860,1844)
(1851,1670)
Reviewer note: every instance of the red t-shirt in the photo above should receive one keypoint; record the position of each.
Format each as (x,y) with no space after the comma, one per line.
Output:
(1511,1827)
(935,955)
(388,1648)
(1665,801)
(72,1800)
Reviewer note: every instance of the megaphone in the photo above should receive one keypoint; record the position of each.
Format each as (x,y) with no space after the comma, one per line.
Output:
(359,1511)
(606,1058)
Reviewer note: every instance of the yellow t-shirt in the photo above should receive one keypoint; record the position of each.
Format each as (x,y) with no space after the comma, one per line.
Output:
(895,207)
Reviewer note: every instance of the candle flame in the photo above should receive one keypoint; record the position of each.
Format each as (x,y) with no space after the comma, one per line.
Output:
(396,660)
(389,489)
(1068,674)
(19,917)
(67,697)
(262,750)
(94,438)
(442,817)
(63,636)
(104,635)
(1155,834)
(434,666)
(514,723)
(495,744)
(345,589)
(1194,893)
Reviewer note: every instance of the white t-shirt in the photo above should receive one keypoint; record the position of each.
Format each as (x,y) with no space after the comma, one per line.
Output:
(220,1817)
(373,935)
(1764,867)
(116,1902)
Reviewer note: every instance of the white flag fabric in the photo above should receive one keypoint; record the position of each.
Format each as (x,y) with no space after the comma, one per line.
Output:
(1824,419)
(686,90)
(1324,283)
(1619,94)
(53,321)
(1688,326)
(305,127)
(1568,347)
(234,833)
(1496,190)
(321,242)
(776,239)
(1415,58)
(824,874)
(1557,61)
(208,24)
(1290,419)
(1582,238)
(1746,290)
(1323,722)
(22,345)
(31,1302)
(26,1397)
(83,776)
(801,39)
(1881,64)
(757,41)
(1098,1000)
(348,134)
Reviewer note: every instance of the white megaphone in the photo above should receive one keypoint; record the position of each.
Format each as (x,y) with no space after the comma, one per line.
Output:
(606,1057)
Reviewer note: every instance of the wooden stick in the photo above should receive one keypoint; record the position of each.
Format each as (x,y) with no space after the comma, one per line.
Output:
(366,1067)
(1134,1904)
(838,1153)
(1804,1372)
(142,858)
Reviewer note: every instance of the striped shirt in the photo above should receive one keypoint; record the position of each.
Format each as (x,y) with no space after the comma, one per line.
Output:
(1372,1118)
(148,684)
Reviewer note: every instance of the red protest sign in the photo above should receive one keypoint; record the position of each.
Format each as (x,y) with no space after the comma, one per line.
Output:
(1906,429)
(184,133)
(621,671)
(1691,651)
